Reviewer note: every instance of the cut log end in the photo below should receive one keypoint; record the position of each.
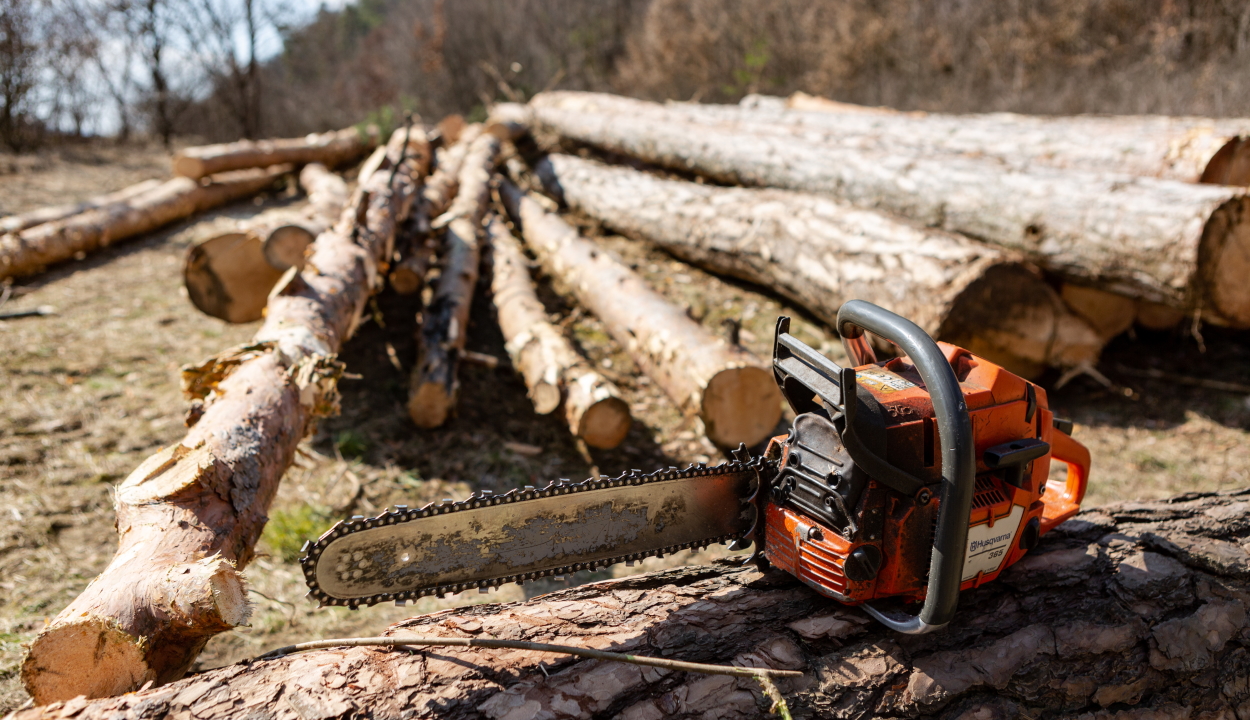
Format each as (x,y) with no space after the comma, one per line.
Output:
(740,405)
(1230,165)
(227,277)
(1155,316)
(89,656)
(1229,264)
(286,245)
(546,397)
(208,595)
(605,423)
(429,404)
(192,167)
(1107,313)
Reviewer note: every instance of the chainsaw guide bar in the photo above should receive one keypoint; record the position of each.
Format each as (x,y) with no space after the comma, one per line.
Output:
(490,540)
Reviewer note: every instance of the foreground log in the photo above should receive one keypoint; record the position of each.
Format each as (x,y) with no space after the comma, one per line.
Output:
(1132,612)
(1186,149)
(1164,241)
(820,253)
(331,148)
(21,221)
(434,383)
(554,372)
(727,387)
(189,516)
(31,250)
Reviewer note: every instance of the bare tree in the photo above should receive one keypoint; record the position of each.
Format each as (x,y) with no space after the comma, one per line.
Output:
(19,50)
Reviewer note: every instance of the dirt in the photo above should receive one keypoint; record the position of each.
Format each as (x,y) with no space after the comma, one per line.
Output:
(89,392)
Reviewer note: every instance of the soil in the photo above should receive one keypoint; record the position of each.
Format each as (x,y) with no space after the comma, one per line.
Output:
(89,392)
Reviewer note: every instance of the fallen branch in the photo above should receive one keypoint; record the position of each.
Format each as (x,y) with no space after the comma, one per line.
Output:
(332,148)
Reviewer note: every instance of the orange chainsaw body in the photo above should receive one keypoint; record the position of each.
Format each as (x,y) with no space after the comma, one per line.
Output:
(877,543)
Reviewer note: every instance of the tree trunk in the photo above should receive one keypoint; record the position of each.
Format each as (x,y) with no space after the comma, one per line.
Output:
(730,389)
(1159,240)
(189,516)
(21,221)
(31,250)
(819,254)
(230,272)
(1131,611)
(332,148)
(1186,149)
(433,387)
(554,371)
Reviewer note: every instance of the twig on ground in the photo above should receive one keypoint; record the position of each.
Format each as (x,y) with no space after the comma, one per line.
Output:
(779,703)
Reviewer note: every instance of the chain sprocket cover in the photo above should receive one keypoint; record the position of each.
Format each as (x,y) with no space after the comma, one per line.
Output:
(490,540)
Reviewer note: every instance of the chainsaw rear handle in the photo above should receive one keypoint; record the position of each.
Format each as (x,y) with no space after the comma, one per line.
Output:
(958,458)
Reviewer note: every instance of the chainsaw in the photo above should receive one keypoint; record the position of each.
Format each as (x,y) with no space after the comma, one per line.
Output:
(910,478)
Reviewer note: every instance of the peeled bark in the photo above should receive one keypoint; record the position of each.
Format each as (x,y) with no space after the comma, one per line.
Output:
(1136,611)
(21,221)
(727,387)
(1159,240)
(555,373)
(31,250)
(434,384)
(189,516)
(820,253)
(331,148)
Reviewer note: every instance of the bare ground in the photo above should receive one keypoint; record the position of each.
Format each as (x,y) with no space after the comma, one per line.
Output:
(87,393)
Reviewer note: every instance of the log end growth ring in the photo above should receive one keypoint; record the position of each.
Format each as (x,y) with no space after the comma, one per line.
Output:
(228,277)
(740,405)
(605,424)
(92,656)
(1229,284)
(286,245)
(430,405)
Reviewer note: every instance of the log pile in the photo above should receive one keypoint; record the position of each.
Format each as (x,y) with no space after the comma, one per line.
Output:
(1137,610)
(332,148)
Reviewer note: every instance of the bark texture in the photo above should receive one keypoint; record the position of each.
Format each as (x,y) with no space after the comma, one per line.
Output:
(1186,149)
(821,253)
(555,373)
(189,516)
(434,384)
(33,249)
(1137,611)
(331,148)
(1160,240)
(21,221)
(726,386)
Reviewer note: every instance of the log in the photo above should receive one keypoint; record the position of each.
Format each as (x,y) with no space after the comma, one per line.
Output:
(728,388)
(1164,241)
(30,251)
(554,372)
(820,253)
(1108,314)
(231,270)
(21,221)
(331,149)
(1134,611)
(1154,316)
(1185,149)
(189,516)
(434,383)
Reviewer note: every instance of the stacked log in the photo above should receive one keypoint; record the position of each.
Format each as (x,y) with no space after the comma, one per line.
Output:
(21,221)
(189,516)
(819,253)
(230,271)
(33,249)
(1162,241)
(434,384)
(331,148)
(554,372)
(1133,611)
(725,386)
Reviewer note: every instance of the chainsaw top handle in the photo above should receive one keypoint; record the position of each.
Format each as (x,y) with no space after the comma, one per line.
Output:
(958,455)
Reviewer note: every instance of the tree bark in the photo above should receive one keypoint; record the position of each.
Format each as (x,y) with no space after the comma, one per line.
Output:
(1164,241)
(1186,149)
(727,387)
(331,148)
(21,221)
(555,373)
(820,253)
(33,249)
(189,516)
(1130,611)
(434,384)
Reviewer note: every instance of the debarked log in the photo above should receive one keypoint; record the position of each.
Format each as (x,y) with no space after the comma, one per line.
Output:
(331,148)
(1135,611)
(39,216)
(819,253)
(554,372)
(189,516)
(727,387)
(31,250)
(1164,241)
